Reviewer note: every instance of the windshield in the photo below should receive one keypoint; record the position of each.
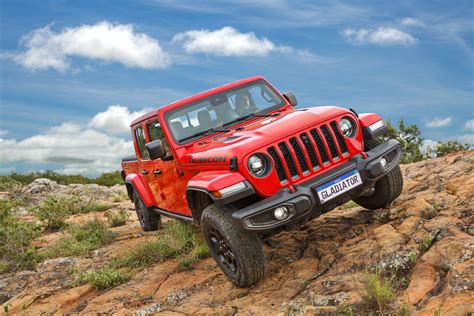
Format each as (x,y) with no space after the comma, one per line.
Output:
(221,110)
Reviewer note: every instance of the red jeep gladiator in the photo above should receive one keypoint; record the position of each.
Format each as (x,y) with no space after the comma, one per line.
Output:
(243,163)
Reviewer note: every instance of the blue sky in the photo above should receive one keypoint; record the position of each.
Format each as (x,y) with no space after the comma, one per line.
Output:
(73,73)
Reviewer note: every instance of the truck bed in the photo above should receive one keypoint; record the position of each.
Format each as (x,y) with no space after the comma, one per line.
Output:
(130,164)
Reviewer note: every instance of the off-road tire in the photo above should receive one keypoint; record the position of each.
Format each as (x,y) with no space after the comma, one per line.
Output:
(246,247)
(146,217)
(386,189)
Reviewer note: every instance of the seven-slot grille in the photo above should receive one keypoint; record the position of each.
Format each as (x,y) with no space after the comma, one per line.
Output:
(308,152)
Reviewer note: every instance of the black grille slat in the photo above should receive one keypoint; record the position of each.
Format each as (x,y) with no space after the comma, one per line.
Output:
(289,159)
(310,150)
(340,138)
(319,143)
(299,155)
(330,142)
(278,165)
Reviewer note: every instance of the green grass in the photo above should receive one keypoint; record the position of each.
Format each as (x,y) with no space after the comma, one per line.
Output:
(378,291)
(118,219)
(102,279)
(426,243)
(176,240)
(80,239)
(348,205)
(16,235)
(199,251)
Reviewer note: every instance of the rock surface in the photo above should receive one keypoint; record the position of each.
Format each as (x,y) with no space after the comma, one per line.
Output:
(317,269)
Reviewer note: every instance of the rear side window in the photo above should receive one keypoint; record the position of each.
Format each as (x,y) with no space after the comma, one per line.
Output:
(140,139)
(156,132)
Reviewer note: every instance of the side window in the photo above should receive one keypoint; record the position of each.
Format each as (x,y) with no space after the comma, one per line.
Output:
(156,132)
(140,139)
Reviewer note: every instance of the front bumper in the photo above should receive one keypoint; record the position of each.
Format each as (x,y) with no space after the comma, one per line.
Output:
(303,204)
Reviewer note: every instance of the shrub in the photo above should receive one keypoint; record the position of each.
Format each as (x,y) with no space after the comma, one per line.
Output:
(80,239)
(378,291)
(120,197)
(55,210)
(409,138)
(16,236)
(109,179)
(177,239)
(442,149)
(7,184)
(118,219)
(102,279)
(94,206)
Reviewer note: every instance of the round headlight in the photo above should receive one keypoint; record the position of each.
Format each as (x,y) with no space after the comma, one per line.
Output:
(257,165)
(347,127)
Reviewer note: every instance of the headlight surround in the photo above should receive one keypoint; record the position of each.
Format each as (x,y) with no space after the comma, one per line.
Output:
(348,127)
(258,165)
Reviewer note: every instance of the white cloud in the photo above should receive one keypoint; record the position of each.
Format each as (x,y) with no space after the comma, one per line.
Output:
(469,125)
(115,120)
(227,41)
(466,139)
(3,132)
(74,148)
(78,151)
(104,41)
(439,122)
(408,21)
(427,144)
(380,36)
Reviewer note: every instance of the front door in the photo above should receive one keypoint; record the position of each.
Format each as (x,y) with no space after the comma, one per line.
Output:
(170,193)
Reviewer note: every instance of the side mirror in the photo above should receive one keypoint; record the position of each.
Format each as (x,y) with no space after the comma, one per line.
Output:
(155,149)
(290,97)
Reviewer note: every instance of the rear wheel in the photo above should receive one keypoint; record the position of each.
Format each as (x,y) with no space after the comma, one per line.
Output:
(386,189)
(238,253)
(148,219)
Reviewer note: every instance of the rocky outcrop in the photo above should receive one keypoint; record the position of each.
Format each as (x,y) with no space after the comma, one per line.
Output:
(425,240)
(40,185)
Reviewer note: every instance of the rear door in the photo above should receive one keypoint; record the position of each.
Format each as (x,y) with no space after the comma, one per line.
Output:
(171,186)
(145,165)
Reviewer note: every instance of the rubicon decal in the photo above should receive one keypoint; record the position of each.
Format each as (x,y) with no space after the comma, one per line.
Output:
(209,160)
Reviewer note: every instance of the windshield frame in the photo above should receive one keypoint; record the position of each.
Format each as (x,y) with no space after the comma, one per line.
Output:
(169,113)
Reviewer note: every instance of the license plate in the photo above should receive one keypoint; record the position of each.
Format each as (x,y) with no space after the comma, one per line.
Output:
(339,185)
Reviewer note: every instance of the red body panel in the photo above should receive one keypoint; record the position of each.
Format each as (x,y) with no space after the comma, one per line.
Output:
(367,119)
(215,180)
(142,188)
(258,135)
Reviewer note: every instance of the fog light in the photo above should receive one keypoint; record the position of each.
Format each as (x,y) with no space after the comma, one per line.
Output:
(383,162)
(281,213)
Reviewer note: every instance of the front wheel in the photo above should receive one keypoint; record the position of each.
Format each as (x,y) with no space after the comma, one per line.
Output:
(387,189)
(238,253)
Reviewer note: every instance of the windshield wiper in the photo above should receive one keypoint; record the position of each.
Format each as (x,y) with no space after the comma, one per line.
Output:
(207,131)
(245,117)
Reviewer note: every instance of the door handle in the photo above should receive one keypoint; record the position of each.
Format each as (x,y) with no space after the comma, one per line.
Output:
(157,172)
(144,172)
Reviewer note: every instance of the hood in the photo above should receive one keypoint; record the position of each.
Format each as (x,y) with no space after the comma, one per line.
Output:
(249,137)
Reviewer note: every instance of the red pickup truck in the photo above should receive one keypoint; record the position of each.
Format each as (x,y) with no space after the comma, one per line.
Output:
(243,163)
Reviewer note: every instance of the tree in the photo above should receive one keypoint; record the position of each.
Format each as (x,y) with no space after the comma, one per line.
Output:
(442,149)
(409,138)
